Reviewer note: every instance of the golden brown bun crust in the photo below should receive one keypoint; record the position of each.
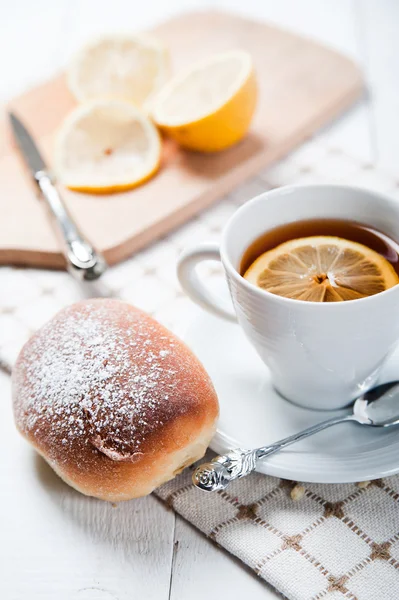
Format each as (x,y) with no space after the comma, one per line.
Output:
(112,399)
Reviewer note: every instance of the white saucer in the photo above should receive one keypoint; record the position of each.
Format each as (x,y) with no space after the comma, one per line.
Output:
(253,414)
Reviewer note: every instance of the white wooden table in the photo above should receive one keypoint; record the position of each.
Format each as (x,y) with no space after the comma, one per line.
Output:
(91,551)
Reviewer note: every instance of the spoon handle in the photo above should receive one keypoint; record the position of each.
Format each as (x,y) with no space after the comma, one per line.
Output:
(296,437)
(237,463)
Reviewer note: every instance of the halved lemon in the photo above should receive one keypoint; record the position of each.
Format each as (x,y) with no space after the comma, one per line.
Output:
(322,269)
(210,106)
(126,67)
(106,146)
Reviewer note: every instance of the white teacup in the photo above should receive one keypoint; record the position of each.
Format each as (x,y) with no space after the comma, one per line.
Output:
(320,355)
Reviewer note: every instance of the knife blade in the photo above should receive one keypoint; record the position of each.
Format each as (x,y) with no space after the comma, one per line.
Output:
(27,146)
(83,261)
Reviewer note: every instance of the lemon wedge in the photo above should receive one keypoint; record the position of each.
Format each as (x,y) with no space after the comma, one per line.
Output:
(322,269)
(210,106)
(127,67)
(106,146)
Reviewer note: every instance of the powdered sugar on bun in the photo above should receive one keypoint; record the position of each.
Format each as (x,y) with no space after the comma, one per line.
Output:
(106,393)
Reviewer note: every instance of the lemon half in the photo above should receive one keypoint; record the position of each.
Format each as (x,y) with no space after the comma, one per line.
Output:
(119,66)
(322,269)
(106,146)
(210,106)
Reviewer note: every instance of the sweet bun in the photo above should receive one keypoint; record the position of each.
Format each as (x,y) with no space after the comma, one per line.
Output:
(113,401)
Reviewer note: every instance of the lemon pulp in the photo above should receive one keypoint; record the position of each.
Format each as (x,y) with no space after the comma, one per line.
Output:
(209,107)
(119,66)
(106,146)
(322,269)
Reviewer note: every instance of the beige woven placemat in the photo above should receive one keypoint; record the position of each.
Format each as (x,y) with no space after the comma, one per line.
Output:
(309,541)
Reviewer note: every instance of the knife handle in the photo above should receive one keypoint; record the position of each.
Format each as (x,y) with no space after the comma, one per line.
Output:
(83,261)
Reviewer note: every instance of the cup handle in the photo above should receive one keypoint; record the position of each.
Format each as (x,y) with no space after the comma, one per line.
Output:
(194,287)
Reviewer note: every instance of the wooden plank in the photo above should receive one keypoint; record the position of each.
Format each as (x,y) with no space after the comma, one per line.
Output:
(379,22)
(302,87)
(30,43)
(334,23)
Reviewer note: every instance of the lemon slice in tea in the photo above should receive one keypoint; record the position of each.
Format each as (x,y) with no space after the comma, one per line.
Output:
(322,269)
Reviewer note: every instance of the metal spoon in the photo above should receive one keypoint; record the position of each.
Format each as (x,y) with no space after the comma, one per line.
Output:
(379,407)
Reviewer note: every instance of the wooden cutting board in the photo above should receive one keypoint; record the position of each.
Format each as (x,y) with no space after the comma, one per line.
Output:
(303,86)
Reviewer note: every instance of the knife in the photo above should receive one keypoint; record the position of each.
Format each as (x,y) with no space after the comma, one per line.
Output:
(83,261)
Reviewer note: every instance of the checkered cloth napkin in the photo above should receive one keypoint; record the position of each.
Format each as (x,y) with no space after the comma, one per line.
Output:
(309,541)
